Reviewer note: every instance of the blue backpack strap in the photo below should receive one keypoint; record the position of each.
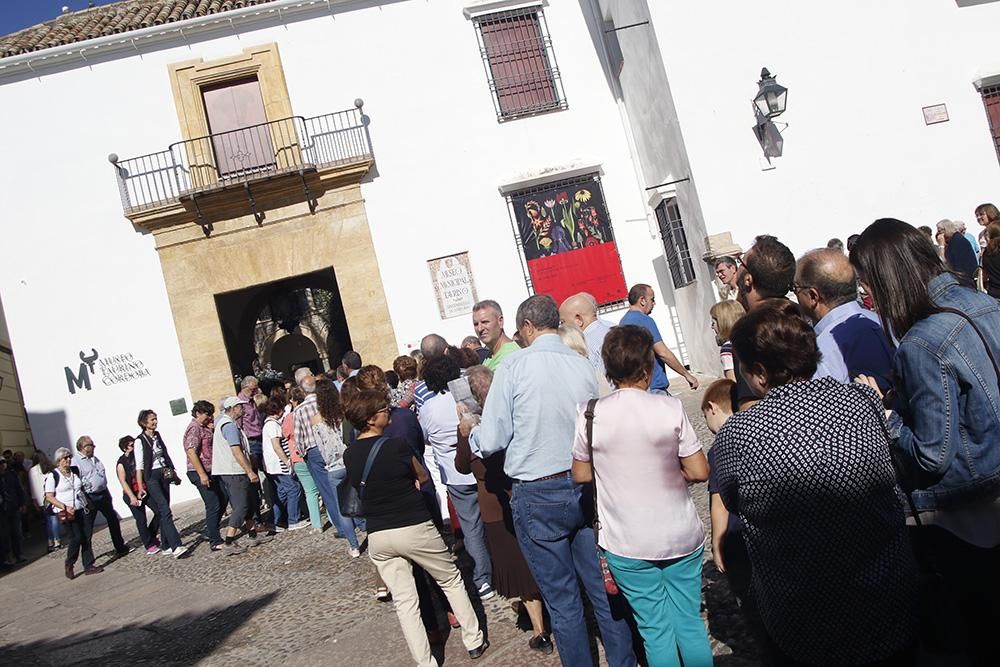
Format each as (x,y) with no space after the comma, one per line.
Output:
(371,459)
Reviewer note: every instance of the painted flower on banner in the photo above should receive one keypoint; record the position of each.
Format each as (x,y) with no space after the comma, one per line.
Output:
(550,203)
(562,198)
(582,196)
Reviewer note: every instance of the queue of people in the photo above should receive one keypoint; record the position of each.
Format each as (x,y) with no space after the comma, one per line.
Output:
(855,455)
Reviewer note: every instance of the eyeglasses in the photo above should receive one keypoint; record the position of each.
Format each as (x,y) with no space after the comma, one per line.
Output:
(796,288)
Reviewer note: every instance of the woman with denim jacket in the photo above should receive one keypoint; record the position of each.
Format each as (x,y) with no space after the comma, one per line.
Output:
(946,414)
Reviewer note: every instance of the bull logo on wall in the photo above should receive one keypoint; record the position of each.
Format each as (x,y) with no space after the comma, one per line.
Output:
(82,378)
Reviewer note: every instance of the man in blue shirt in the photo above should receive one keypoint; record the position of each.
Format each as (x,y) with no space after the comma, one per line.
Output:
(641,301)
(849,337)
(531,412)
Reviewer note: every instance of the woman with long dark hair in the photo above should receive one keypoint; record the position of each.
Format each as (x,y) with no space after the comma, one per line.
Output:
(328,427)
(154,472)
(991,260)
(946,414)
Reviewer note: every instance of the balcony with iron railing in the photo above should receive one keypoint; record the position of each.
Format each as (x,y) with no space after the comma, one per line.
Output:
(191,170)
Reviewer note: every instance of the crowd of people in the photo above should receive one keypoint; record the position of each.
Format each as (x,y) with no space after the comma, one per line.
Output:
(856,456)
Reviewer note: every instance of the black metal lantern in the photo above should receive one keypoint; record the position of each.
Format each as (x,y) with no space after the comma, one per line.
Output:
(768,136)
(771,96)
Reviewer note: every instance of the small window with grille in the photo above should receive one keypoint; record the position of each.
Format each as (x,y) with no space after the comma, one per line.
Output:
(520,63)
(675,244)
(991,99)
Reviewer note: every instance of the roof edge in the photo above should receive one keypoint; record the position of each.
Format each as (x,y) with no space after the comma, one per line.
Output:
(38,61)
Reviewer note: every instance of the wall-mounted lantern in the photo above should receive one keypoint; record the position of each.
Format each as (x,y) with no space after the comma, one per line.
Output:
(769,104)
(771,96)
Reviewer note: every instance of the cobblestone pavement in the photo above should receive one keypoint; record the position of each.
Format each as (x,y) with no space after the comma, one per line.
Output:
(299,599)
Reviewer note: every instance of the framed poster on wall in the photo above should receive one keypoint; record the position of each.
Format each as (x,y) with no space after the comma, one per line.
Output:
(454,285)
(564,231)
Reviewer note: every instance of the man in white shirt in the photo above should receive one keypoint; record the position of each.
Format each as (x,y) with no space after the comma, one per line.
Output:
(95,486)
(580,310)
(439,421)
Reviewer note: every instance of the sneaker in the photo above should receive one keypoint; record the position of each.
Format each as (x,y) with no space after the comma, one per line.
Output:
(541,643)
(180,551)
(229,549)
(299,525)
(167,552)
(279,529)
(152,550)
(486,592)
(354,553)
(382,594)
(124,551)
(479,650)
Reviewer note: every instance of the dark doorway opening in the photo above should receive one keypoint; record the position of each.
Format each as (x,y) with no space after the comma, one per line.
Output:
(273,328)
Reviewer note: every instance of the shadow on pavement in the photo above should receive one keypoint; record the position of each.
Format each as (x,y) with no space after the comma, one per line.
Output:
(177,640)
(726,622)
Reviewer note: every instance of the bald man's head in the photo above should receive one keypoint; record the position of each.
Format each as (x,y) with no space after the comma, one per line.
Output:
(433,345)
(824,279)
(579,310)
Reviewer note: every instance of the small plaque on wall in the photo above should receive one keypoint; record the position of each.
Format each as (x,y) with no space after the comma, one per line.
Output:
(454,284)
(935,114)
(178,406)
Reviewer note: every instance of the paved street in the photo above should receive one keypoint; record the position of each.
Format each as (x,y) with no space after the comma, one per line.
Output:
(299,599)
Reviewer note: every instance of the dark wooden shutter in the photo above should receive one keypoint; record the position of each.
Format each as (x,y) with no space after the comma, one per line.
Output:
(520,67)
(991,98)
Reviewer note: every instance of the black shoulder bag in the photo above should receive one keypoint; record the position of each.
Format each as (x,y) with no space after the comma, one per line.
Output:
(351,500)
(610,587)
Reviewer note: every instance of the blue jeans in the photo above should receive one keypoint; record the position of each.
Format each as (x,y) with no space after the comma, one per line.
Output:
(288,499)
(51,524)
(666,598)
(326,482)
(215,505)
(148,528)
(158,499)
(465,498)
(559,547)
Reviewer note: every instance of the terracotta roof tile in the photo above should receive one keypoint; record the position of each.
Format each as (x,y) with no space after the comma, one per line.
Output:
(114,18)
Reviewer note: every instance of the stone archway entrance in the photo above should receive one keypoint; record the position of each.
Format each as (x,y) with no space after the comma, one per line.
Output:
(282,325)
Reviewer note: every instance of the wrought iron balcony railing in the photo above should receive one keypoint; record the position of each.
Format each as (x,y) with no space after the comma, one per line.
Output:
(293,145)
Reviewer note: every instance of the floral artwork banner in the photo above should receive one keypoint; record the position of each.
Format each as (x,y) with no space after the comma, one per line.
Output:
(568,242)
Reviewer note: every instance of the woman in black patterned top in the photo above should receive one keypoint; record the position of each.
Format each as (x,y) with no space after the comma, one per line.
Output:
(808,471)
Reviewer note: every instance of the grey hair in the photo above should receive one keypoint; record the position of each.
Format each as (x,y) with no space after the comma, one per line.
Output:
(301,373)
(81,440)
(308,384)
(480,378)
(488,303)
(541,310)
(947,226)
(247,381)
(725,259)
(61,452)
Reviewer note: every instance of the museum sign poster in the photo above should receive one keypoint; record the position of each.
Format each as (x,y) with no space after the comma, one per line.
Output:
(454,285)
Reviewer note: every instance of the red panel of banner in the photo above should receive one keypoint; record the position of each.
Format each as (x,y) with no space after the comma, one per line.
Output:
(595,269)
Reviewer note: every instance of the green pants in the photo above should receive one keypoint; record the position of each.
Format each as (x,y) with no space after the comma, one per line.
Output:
(666,598)
(311,492)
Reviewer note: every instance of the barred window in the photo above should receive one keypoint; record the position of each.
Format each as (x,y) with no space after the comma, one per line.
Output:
(675,244)
(991,99)
(520,63)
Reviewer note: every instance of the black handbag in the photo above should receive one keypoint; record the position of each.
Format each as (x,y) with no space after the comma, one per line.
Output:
(350,499)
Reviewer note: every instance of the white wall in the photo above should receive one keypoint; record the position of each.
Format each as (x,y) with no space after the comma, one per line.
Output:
(77,275)
(856,148)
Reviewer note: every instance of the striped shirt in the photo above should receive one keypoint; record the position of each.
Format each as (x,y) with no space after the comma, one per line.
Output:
(305,438)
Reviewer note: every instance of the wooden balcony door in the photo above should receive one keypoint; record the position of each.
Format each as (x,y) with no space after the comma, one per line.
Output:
(241,140)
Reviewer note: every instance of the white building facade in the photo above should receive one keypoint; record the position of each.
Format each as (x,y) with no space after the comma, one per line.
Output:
(128,286)
(102,307)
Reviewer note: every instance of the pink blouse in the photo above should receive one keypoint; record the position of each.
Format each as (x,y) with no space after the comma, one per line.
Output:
(645,508)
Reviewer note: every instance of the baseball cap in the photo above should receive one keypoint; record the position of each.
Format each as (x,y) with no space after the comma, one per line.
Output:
(233,401)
